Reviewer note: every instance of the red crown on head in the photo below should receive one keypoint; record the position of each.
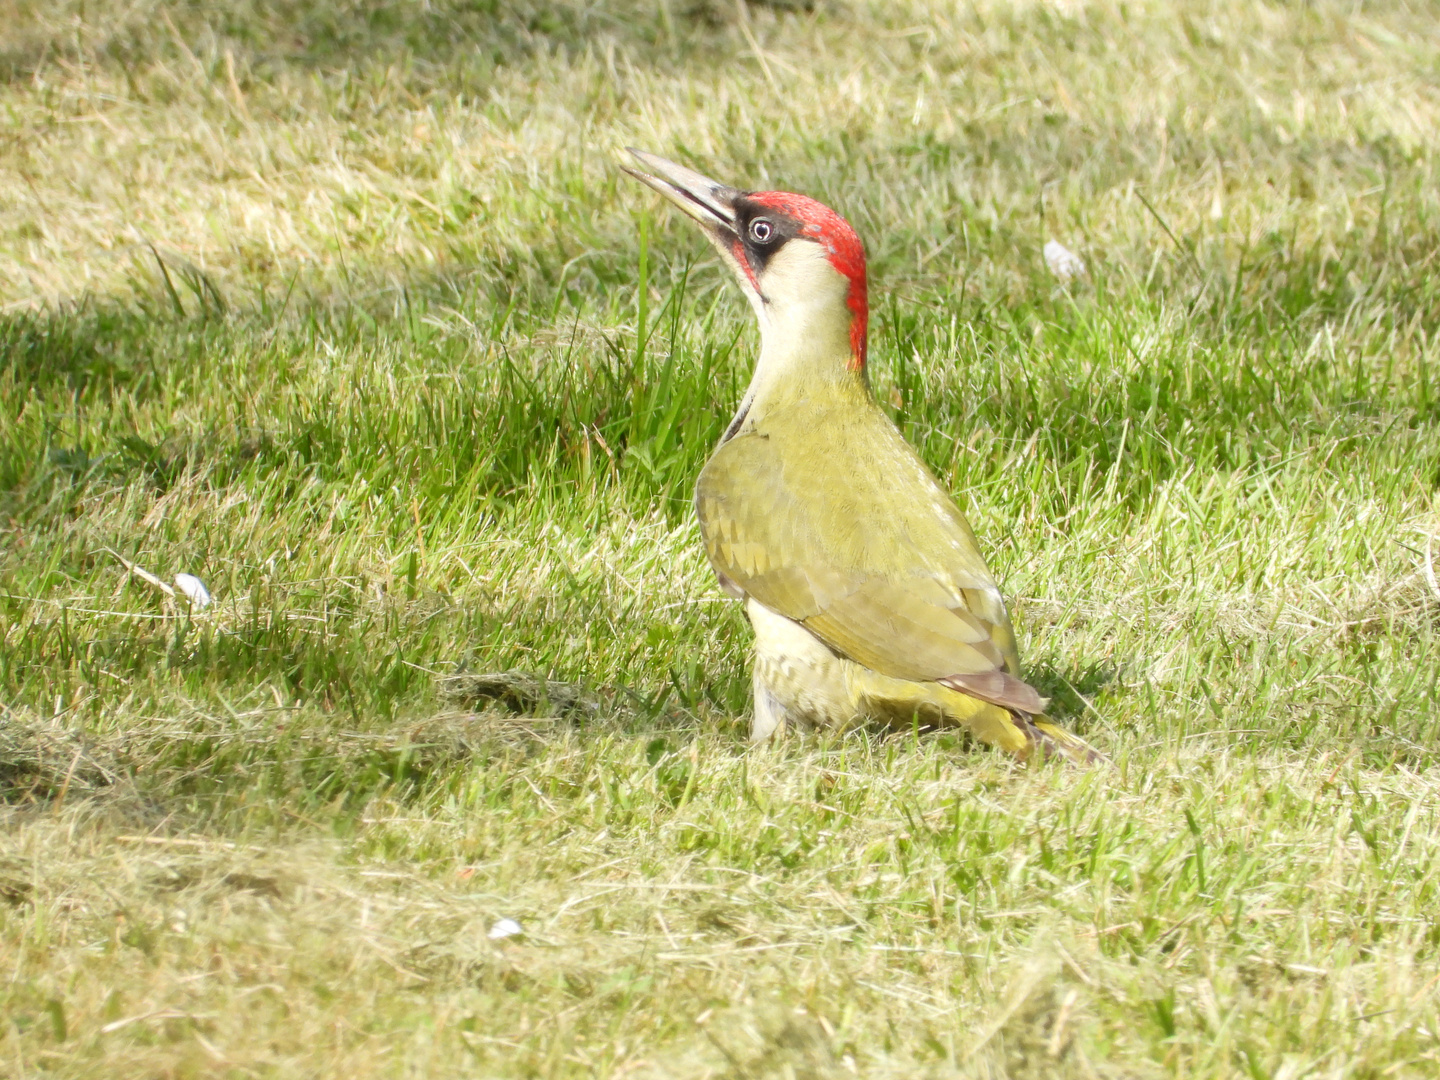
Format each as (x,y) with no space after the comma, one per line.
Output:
(846,252)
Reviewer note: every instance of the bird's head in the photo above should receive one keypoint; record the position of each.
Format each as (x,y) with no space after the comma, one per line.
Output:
(799,263)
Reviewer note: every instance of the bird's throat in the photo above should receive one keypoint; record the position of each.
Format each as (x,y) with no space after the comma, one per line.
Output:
(795,385)
(812,336)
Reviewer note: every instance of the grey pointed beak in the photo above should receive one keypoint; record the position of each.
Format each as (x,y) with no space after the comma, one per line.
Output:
(709,202)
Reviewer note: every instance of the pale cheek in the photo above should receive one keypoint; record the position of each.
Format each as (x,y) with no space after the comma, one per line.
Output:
(800,275)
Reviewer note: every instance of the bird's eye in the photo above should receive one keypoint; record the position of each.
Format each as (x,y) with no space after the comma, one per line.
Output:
(761,231)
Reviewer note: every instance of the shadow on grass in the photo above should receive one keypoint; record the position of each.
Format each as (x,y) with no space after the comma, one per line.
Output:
(1244,362)
(1071,691)
(136,397)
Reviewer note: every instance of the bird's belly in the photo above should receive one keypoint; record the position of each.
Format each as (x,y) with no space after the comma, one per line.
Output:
(804,678)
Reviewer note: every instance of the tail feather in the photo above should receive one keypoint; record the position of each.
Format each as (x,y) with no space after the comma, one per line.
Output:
(897,701)
(1053,740)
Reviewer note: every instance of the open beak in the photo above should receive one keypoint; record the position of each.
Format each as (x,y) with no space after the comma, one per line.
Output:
(710,203)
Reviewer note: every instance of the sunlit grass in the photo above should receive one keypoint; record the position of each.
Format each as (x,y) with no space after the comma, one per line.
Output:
(344,310)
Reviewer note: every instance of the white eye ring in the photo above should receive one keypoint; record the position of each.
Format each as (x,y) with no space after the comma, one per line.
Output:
(761,231)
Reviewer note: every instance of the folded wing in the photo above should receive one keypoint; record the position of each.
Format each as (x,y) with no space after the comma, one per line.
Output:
(915,603)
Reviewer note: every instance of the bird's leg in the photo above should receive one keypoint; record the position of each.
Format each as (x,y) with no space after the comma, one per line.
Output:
(769,716)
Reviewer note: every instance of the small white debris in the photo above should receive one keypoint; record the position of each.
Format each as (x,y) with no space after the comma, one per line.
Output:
(1063,262)
(193,589)
(506,928)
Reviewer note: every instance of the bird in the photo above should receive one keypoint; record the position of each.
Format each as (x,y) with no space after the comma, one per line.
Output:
(863,581)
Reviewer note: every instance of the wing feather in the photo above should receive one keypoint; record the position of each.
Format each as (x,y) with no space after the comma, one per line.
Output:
(917,604)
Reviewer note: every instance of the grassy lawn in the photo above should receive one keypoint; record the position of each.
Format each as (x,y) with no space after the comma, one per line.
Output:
(344,308)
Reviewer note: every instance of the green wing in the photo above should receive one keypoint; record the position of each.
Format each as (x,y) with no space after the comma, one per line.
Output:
(881,565)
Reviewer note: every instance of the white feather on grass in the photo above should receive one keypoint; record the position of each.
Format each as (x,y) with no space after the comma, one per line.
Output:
(1063,262)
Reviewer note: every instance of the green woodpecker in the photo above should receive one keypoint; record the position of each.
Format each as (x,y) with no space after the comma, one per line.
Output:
(862,579)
